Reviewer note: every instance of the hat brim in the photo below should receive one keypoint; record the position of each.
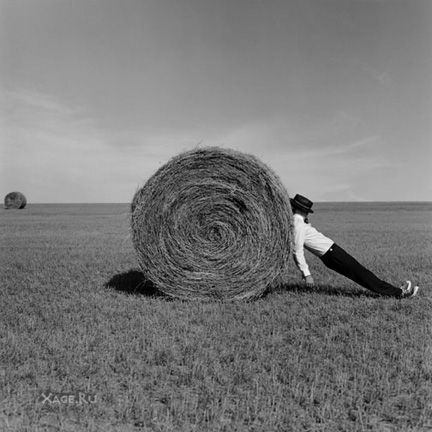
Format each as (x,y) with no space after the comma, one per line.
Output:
(300,207)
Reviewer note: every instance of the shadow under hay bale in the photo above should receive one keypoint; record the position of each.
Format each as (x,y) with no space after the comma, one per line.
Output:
(133,282)
(212,223)
(15,200)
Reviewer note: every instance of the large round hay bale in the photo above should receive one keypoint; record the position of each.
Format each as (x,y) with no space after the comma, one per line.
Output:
(15,200)
(212,223)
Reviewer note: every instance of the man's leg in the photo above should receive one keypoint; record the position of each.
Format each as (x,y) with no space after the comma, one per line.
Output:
(342,262)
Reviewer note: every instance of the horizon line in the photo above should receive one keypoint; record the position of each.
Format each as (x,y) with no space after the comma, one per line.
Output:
(315,202)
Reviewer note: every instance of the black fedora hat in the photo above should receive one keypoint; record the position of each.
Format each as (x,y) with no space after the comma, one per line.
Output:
(302,203)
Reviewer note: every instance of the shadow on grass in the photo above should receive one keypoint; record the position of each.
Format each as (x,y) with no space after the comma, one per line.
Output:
(320,289)
(134,282)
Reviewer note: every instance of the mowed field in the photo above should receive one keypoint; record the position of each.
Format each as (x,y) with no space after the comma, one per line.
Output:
(75,319)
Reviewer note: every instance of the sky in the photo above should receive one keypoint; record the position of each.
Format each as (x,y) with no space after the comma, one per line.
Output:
(334,95)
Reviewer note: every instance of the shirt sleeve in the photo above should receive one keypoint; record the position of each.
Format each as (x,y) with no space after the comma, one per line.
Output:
(299,258)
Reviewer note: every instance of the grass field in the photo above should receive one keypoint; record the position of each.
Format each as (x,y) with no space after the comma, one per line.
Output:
(74,320)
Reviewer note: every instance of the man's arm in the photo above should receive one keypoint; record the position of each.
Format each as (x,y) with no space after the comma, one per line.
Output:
(299,258)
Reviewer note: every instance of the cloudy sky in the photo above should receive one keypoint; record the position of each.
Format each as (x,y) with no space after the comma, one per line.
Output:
(335,95)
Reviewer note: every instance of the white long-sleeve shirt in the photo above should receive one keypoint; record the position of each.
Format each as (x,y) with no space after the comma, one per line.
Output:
(307,237)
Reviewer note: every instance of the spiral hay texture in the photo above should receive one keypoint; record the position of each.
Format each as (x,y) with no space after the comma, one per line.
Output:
(15,200)
(212,223)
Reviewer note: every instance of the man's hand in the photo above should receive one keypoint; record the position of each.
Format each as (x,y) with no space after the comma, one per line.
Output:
(309,281)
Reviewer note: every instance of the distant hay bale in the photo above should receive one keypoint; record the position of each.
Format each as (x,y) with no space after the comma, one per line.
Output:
(212,223)
(15,200)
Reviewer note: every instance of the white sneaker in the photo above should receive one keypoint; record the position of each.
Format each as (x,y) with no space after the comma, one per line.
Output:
(408,290)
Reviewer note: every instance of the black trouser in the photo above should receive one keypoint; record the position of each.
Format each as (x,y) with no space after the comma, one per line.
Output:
(342,262)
